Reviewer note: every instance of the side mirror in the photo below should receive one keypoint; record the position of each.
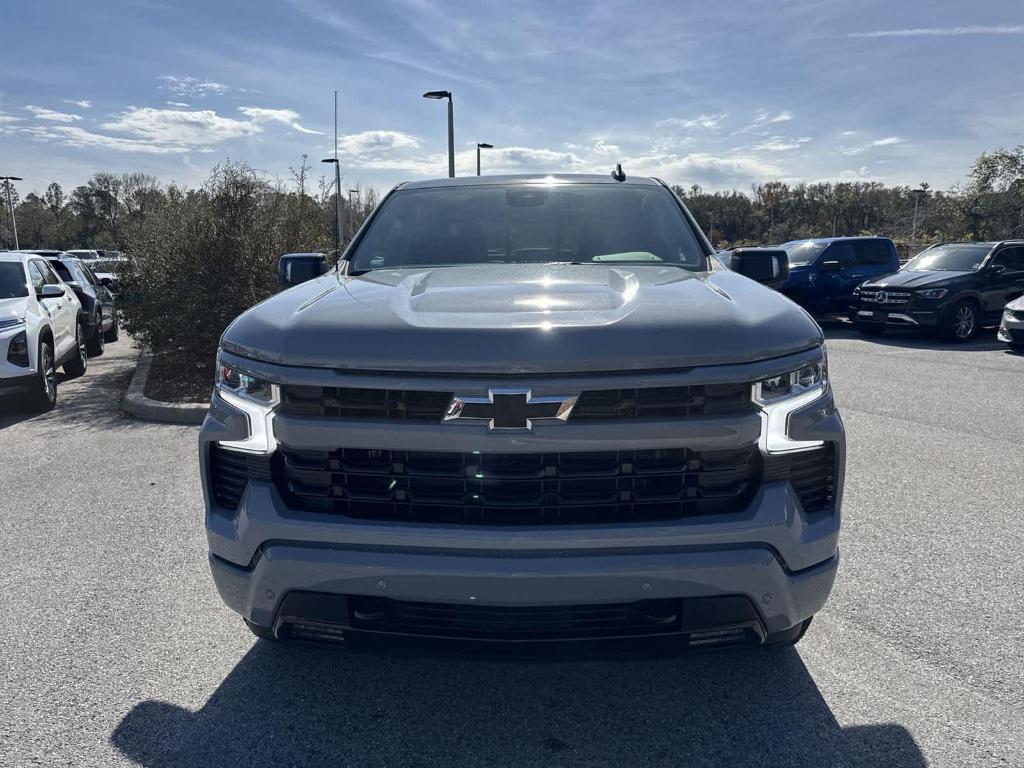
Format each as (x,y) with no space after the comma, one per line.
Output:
(296,268)
(73,285)
(51,291)
(106,282)
(769,266)
(831,265)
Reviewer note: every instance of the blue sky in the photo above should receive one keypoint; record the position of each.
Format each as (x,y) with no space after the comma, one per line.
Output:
(719,94)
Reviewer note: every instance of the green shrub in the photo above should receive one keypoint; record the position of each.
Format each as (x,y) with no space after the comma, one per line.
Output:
(204,256)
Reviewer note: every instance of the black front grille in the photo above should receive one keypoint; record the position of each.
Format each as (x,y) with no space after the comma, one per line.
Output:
(664,402)
(356,403)
(812,474)
(231,470)
(593,405)
(884,296)
(519,489)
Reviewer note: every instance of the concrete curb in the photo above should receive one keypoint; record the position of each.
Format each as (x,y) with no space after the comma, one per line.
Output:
(138,405)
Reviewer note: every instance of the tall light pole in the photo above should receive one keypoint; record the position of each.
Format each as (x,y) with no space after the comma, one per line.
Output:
(451,127)
(10,205)
(481,145)
(337,184)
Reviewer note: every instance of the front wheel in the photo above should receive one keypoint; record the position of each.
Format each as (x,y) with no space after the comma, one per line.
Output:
(113,332)
(960,322)
(43,394)
(96,341)
(78,364)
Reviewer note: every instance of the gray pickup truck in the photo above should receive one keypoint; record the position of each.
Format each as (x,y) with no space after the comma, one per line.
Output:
(526,409)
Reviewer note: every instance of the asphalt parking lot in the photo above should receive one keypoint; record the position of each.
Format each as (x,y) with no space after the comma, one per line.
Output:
(116,649)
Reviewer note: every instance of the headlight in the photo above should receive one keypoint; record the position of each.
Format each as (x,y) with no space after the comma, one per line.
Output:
(933,293)
(256,398)
(17,350)
(244,385)
(856,291)
(780,396)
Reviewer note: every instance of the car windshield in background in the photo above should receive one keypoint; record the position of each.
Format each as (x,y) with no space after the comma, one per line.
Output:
(530,224)
(61,269)
(803,252)
(84,254)
(12,280)
(958,257)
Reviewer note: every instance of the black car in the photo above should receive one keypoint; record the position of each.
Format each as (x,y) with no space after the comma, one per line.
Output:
(953,288)
(99,318)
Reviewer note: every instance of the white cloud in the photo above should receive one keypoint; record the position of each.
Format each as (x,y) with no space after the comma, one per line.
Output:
(81,103)
(42,113)
(997,29)
(182,104)
(764,118)
(780,144)
(702,121)
(376,145)
(8,118)
(706,169)
(180,127)
(192,86)
(287,116)
(860,149)
(73,136)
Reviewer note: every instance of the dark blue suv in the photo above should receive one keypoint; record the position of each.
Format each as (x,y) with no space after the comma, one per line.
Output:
(824,271)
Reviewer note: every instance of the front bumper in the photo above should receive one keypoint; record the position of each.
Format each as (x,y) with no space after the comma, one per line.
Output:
(899,316)
(1011,330)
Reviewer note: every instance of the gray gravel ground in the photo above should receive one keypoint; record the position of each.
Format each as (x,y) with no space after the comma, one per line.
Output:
(115,649)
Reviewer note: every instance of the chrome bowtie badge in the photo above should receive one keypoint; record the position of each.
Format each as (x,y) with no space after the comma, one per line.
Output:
(509,409)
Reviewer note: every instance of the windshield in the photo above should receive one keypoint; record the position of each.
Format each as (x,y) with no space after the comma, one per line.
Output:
(529,224)
(803,252)
(84,254)
(958,257)
(12,280)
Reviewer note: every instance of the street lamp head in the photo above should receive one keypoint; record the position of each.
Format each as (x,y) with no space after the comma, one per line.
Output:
(437,95)
(329,160)
(484,145)
(11,178)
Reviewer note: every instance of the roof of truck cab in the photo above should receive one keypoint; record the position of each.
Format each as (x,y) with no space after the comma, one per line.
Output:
(528,178)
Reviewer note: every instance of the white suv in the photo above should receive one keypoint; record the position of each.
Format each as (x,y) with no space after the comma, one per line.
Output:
(39,330)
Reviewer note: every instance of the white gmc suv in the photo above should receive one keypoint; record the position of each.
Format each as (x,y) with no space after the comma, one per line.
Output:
(39,330)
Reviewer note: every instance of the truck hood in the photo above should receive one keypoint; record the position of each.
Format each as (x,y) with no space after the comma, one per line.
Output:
(524,318)
(912,279)
(14,308)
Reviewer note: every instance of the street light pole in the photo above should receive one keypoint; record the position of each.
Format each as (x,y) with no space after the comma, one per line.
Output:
(10,205)
(481,145)
(451,126)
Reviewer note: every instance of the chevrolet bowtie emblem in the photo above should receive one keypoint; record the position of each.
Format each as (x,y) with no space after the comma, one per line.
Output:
(509,409)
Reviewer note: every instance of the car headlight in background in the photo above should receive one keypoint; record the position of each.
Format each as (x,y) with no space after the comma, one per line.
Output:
(779,396)
(256,398)
(933,293)
(17,350)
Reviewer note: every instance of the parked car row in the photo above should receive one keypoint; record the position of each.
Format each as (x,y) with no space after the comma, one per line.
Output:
(54,311)
(953,289)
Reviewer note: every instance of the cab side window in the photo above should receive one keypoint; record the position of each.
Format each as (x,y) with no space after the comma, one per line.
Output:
(1011,258)
(48,274)
(841,252)
(872,253)
(35,274)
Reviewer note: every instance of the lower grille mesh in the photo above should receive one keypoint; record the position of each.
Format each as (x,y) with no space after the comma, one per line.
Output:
(519,489)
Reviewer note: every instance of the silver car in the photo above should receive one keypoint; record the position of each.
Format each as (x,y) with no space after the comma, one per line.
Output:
(1011,327)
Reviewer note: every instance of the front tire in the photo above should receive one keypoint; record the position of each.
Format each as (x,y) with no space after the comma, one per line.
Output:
(43,395)
(96,340)
(961,322)
(113,333)
(78,365)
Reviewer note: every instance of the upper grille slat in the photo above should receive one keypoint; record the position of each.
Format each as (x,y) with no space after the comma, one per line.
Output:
(692,401)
